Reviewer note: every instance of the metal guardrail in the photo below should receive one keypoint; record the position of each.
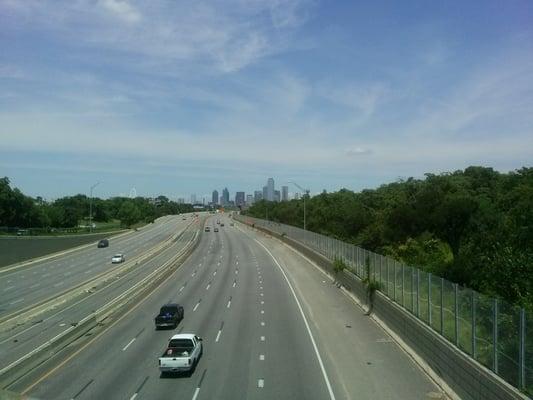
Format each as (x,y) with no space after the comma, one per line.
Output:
(495,333)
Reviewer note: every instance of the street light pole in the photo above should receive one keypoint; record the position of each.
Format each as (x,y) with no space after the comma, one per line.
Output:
(91,207)
(306,193)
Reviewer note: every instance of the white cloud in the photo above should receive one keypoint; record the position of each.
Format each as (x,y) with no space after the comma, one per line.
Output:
(122,9)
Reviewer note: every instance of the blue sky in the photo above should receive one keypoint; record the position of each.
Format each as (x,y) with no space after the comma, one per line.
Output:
(180,97)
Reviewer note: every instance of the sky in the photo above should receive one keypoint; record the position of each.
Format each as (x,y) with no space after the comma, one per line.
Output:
(181,97)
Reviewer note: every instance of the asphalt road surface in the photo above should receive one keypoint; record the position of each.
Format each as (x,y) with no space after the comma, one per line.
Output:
(22,287)
(274,327)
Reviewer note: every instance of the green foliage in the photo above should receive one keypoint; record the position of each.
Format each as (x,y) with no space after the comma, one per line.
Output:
(474,227)
(338,265)
(18,210)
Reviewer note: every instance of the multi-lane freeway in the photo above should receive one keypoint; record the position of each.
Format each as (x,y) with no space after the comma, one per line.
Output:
(273,327)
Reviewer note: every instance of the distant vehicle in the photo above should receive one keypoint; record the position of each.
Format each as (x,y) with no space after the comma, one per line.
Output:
(222,224)
(118,258)
(103,243)
(170,315)
(218,221)
(216,229)
(183,219)
(23,232)
(207,229)
(182,354)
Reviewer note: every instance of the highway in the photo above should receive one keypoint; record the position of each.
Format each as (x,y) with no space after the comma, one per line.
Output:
(24,286)
(274,327)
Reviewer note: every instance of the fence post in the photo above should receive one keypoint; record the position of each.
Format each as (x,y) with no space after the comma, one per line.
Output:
(394,291)
(418,293)
(388,279)
(403,286)
(429,300)
(442,306)
(495,336)
(474,305)
(522,355)
(456,314)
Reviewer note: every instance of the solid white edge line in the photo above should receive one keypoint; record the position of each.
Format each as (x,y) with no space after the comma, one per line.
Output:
(324,373)
(196,393)
(128,345)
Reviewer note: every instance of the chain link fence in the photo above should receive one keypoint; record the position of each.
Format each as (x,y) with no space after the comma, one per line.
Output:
(497,334)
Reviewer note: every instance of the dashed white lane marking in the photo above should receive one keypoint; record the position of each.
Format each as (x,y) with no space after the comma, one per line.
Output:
(196,393)
(35,272)
(208,286)
(229,304)
(47,274)
(88,271)
(261,294)
(234,283)
(261,383)
(128,345)
(261,357)
(218,335)
(236,263)
(262,338)
(262,323)
(260,287)
(214,273)
(183,287)
(8,288)
(196,306)
(236,271)
(34,286)
(59,284)
(315,347)
(262,302)
(262,311)
(16,301)
(134,396)
(194,273)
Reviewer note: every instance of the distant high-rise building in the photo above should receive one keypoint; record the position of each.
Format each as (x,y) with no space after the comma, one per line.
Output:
(277,196)
(239,199)
(214,198)
(265,193)
(284,193)
(258,196)
(181,200)
(249,199)
(296,196)
(193,199)
(270,189)
(225,197)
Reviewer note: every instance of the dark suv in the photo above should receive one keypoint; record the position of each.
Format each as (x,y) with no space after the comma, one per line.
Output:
(103,243)
(169,316)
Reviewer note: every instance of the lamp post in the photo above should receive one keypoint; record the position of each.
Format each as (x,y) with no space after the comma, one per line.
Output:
(306,193)
(91,207)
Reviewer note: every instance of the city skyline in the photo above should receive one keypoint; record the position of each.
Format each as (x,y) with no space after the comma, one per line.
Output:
(329,94)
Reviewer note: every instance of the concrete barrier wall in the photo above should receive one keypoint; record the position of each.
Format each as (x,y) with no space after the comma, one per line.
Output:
(465,376)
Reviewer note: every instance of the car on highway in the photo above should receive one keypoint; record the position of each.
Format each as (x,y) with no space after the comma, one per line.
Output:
(207,229)
(216,229)
(182,354)
(103,243)
(169,315)
(118,258)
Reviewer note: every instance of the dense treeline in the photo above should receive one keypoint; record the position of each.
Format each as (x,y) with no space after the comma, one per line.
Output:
(19,210)
(474,227)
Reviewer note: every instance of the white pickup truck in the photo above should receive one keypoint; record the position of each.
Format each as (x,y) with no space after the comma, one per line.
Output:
(182,353)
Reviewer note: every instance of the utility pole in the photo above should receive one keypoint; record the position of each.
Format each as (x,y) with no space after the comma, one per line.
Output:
(91,207)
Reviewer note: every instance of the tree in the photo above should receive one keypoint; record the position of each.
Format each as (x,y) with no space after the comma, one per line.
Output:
(129,214)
